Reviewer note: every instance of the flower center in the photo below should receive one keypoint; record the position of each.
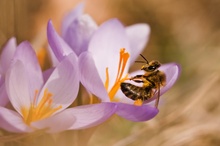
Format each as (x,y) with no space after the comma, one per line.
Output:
(41,110)
(121,66)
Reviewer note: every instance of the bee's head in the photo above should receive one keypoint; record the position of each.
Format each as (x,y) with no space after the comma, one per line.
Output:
(151,66)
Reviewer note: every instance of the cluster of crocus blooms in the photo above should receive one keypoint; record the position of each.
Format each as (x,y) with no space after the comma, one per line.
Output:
(97,57)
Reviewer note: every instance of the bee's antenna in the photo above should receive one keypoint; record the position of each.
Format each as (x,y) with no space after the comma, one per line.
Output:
(144,58)
(140,62)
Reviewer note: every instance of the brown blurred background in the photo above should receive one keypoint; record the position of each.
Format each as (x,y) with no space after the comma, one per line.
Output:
(183,31)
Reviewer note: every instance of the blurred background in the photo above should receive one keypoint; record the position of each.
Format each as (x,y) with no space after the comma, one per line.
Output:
(182,31)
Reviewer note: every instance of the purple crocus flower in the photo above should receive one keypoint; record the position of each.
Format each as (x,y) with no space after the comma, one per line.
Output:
(106,65)
(5,61)
(77,29)
(43,105)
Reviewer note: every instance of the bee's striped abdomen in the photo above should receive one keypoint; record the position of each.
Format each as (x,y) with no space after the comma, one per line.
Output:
(134,92)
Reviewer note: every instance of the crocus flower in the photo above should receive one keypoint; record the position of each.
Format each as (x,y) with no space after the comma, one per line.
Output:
(5,61)
(77,29)
(43,105)
(106,65)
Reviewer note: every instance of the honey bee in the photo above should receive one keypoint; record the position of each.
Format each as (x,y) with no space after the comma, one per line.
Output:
(152,80)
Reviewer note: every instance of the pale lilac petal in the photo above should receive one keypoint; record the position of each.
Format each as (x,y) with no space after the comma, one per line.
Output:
(17,86)
(105,46)
(172,71)
(3,95)
(136,113)
(57,44)
(79,33)
(27,55)
(11,121)
(56,123)
(63,82)
(89,76)
(7,54)
(73,15)
(138,36)
(92,115)
(47,73)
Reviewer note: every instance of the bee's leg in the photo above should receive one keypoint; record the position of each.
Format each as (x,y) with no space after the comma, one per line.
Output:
(158,97)
(154,92)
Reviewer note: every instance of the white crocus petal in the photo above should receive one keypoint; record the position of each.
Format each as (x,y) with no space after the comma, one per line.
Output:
(17,86)
(63,83)
(138,35)
(105,46)
(56,123)
(12,121)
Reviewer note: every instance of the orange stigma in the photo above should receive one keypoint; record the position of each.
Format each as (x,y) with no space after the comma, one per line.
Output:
(41,110)
(121,66)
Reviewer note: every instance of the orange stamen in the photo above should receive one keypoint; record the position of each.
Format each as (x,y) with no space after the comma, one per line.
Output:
(41,110)
(35,97)
(107,79)
(122,63)
(121,66)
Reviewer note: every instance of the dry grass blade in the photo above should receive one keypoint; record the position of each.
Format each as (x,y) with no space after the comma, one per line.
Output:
(17,137)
